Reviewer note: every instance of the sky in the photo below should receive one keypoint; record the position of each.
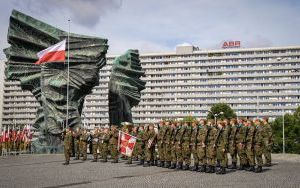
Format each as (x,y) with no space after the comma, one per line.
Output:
(160,25)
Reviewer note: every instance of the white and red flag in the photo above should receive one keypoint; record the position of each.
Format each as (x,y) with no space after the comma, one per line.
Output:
(126,144)
(54,53)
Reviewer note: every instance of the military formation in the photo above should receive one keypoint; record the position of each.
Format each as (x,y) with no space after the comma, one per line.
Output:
(175,144)
(15,141)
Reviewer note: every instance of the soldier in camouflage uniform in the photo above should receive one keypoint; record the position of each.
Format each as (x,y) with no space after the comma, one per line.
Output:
(221,143)
(240,143)
(193,145)
(113,143)
(167,145)
(140,145)
(95,142)
(178,145)
(67,137)
(201,145)
(76,136)
(211,148)
(174,132)
(258,145)
(83,144)
(160,143)
(232,143)
(186,150)
(268,141)
(250,145)
(104,140)
(150,141)
(227,127)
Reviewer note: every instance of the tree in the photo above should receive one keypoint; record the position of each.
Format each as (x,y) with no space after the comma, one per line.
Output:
(189,118)
(291,131)
(224,111)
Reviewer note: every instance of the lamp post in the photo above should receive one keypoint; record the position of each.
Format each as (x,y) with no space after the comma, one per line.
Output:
(283,135)
(216,115)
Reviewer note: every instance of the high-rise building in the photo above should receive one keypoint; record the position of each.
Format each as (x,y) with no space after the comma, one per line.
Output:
(1,88)
(255,82)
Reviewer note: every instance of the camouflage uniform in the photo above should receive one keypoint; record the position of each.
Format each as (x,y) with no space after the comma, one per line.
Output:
(160,145)
(221,144)
(201,146)
(193,145)
(113,145)
(83,145)
(67,146)
(211,149)
(250,147)
(150,139)
(139,147)
(174,132)
(240,144)
(268,142)
(178,147)
(76,136)
(104,140)
(95,142)
(186,151)
(232,147)
(258,147)
(168,146)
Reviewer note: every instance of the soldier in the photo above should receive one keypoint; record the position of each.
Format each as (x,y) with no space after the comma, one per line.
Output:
(160,143)
(211,148)
(201,145)
(240,143)
(67,137)
(186,151)
(140,145)
(232,143)
(113,143)
(167,145)
(250,145)
(258,145)
(83,144)
(193,145)
(174,132)
(150,138)
(221,143)
(268,141)
(104,141)
(95,142)
(76,136)
(227,127)
(178,145)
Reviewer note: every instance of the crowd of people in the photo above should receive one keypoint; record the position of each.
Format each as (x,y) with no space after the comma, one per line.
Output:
(174,144)
(15,140)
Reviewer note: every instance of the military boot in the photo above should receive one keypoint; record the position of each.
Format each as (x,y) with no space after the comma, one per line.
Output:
(147,164)
(186,167)
(195,167)
(242,167)
(258,169)
(213,169)
(95,160)
(161,164)
(66,163)
(104,160)
(251,168)
(208,169)
(179,166)
(141,162)
(115,161)
(233,165)
(154,163)
(173,166)
(129,161)
(202,168)
(167,164)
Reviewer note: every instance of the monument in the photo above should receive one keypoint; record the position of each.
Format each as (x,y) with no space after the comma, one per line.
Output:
(125,87)
(48,82)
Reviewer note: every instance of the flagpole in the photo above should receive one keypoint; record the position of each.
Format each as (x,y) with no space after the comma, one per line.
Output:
(67,120)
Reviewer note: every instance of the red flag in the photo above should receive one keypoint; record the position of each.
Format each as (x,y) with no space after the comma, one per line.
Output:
(127,143)
(54,53)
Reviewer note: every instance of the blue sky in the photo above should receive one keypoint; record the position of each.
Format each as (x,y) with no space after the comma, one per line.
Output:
(159,25)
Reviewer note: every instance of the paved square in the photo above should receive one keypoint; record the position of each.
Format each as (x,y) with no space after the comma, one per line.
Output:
(48,171)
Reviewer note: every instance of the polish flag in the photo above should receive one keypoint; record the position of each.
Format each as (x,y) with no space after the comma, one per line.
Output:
(57,52)
(127,143)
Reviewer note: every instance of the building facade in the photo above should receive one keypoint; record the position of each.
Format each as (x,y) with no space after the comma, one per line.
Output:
(255,82)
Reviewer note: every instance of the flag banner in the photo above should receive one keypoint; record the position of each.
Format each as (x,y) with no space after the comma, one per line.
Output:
(127,143)
(54,53)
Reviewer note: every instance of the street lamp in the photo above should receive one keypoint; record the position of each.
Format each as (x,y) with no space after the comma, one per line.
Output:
(216,115)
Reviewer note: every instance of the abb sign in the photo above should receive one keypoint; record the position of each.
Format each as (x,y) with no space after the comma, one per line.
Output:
(231,44)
